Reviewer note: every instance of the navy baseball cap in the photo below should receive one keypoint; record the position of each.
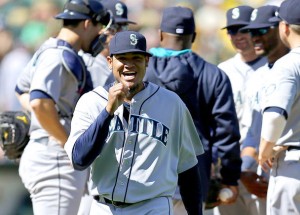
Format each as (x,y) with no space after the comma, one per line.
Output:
(84,9)
(260,17)
(119,10)
(128,41)
(178,20)
(288,11)
(238,16)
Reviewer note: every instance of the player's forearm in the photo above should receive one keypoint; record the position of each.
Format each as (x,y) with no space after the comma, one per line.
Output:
(46,113)
(90,143)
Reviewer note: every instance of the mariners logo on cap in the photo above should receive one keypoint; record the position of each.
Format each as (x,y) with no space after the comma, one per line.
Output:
(133,39)
(119,9)
(235,13)
(253,15)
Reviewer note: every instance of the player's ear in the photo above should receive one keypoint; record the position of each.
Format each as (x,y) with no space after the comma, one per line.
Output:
(147,60)
(86,23)
(109,61)
(161,37)
(194,37)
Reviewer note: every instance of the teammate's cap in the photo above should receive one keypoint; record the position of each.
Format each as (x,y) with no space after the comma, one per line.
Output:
(84,9)
(119,10)
(260,17)
(288,11)
(128,41)
(238,16)
(178,20)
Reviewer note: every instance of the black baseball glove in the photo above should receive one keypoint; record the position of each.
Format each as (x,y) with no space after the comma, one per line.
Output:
(212,199)
(14,128)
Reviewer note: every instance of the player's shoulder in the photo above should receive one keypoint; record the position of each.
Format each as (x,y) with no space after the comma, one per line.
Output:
(226,63)
(162,92)
(291,57)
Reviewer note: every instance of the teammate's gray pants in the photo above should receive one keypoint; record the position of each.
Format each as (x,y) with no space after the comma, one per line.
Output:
(284,186)
(156,206)
(54,186)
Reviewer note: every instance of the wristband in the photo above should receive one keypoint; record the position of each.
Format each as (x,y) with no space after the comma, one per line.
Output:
(248,163)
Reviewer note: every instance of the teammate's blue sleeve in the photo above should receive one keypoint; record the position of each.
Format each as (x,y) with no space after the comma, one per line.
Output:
(226,131)
(89,144)
(279,110)
(189,183)
(19,91)
(38,94)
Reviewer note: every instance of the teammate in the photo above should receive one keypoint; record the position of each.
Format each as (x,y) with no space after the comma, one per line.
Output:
(206,91)
(240,69)
(137,137)
(280,147)
(101,74)
(49,87)
(265,36)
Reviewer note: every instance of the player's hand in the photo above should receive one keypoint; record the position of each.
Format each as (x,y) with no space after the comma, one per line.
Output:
(235,191)
(116,95)
(265,156)
(255,184)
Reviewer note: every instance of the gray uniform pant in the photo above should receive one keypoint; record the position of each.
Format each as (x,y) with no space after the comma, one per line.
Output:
(54,186)
(284,185)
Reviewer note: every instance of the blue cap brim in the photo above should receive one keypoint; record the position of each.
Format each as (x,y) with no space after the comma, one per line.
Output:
(131,51)
(275,19)
(123,20)
(257,26)
(236,24)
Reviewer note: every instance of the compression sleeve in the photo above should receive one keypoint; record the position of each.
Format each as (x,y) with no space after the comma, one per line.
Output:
(272,126)
(189,183)
(89,144)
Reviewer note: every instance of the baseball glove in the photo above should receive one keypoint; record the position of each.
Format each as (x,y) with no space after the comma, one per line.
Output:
(212,199)
(14,128)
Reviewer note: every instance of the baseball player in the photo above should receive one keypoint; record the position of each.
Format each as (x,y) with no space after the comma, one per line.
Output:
(101,74)
(49,87)
(138,138)
(265,36)
(251,184)
(203,87)
(240,67)
(280,146)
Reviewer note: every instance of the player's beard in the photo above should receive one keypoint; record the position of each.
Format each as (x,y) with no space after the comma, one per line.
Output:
(134,90)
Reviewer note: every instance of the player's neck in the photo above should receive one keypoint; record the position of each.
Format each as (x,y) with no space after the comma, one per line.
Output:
(70,37)
(248,56)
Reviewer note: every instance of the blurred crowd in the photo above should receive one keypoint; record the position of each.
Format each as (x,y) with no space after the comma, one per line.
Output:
(25,24)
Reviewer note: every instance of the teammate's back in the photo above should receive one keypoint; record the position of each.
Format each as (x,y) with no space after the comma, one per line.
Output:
(205,89)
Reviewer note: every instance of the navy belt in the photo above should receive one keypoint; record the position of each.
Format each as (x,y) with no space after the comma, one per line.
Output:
(114,203)
(293,148)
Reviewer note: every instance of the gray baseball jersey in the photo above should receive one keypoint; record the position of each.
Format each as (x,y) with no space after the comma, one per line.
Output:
(62,88)
(283,90)
(55,187)
(140,159)
(252,117)
(239,73)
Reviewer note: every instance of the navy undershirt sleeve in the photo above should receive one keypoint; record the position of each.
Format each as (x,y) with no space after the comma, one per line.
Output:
(89,144)
(38,94)
(189,183)
(279,110)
